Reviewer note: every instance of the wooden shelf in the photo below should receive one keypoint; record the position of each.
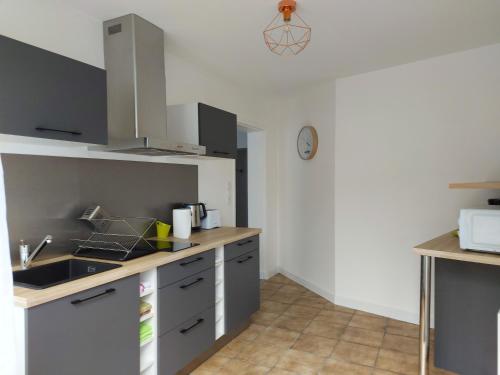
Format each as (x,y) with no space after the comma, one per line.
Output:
(147,292)
(475,185)
(148,341)
(147,366)
(146,317)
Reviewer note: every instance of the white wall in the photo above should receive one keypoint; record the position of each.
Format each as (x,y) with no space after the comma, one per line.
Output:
(189,82)
(402,134)
(306,251)
(53,25)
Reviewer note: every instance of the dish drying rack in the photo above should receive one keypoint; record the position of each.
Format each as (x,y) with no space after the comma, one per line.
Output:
(116,234)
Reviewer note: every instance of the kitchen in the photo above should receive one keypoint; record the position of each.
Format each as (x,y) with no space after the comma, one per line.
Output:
(421,104)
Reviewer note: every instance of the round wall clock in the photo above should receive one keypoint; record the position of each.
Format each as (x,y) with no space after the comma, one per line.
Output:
(307,143)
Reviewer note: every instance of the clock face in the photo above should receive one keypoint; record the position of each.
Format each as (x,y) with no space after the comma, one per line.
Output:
(307,142)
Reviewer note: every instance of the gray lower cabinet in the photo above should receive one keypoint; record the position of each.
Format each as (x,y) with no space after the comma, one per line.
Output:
(186,267)
(186,298)
(467,301)
(242,288)
(185,342)
(241,247)
(46,95)
(92,332)
(186,311)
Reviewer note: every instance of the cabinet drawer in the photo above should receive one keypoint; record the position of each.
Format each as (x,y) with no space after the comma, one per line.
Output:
(188,340)
(238,248)
(242,289)
(186,267)
(185,298)
(92,332)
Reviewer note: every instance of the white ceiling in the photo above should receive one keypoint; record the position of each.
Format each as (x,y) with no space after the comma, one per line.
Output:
(348,36)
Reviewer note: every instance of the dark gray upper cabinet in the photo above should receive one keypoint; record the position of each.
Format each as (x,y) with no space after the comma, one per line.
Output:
(46,95)
(92,332)
(242,286)
(217,131)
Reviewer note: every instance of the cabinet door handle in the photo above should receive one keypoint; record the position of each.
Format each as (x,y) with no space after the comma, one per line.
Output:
(199,279)
(106,292)
(183,264)
(245,260)
(244,243)
(186,330)
(221,152)
(43,129)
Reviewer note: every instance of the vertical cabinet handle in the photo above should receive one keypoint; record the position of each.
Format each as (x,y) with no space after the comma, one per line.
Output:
(198,280)
(186,330)
(183,264)
(44,129)
(246,259)
(106,292)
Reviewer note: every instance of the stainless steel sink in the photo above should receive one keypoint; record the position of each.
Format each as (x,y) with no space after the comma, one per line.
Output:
(51,274)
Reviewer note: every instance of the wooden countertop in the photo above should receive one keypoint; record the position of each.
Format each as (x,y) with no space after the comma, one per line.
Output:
(208,239)
(475,185)
(447,247)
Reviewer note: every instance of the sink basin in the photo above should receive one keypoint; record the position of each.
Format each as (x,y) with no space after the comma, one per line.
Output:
(51,274)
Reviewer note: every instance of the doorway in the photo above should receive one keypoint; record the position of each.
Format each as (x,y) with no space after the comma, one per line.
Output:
(250,189)
(242,178)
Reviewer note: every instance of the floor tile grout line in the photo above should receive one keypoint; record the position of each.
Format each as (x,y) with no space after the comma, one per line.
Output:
(324,307)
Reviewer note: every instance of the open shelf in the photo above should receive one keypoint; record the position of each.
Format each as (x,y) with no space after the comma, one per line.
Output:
(149,295)
(147,292)
(219,293)
(148,341)
(147,366)
(475,185)
(146,317)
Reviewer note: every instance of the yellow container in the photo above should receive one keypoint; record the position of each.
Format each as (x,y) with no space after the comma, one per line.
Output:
(162,229)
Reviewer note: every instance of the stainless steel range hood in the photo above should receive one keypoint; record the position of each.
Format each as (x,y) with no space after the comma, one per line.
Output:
(137,111)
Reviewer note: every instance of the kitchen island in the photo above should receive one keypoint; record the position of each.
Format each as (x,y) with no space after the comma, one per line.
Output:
(199,299)
(467,302)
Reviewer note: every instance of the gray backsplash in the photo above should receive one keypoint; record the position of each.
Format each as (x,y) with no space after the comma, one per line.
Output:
(46,194)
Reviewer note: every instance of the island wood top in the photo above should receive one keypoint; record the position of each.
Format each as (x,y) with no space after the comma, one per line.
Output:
(207,240)
(447,247)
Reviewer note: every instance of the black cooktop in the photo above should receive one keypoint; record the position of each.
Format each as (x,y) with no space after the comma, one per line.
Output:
(139,251)
(170,246)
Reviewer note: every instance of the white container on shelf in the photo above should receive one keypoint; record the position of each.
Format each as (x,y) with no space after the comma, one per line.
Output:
(182,223)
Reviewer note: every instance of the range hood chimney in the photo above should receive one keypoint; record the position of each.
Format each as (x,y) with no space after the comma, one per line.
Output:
(137,111)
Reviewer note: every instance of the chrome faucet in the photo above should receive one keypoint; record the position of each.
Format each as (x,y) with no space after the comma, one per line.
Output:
(26,257)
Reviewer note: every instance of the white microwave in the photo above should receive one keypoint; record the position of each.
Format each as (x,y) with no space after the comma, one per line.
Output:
(480,229)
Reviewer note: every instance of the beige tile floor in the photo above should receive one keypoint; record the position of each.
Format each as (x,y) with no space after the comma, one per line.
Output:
(297,332)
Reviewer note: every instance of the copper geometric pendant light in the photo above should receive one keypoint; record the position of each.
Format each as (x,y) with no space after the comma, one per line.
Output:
(287,33)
